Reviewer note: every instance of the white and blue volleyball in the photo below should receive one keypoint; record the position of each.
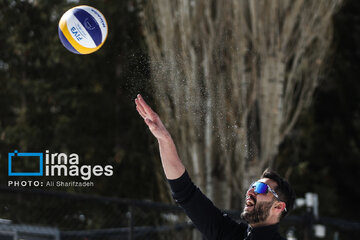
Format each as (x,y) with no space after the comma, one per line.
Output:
(83,29)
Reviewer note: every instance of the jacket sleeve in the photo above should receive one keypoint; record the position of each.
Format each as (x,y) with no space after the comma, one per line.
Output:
(210,221)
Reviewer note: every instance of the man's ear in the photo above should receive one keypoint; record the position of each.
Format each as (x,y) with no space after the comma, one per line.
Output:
(280,206)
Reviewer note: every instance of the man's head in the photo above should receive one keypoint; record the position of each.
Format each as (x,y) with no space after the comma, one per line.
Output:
(268,200)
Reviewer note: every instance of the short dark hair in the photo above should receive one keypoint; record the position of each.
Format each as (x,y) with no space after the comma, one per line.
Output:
(284,190)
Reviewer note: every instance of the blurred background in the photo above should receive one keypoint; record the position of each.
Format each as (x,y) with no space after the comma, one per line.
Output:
(242,86)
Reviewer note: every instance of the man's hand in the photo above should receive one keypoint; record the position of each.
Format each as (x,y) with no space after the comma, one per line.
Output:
(151,119)
(170,160)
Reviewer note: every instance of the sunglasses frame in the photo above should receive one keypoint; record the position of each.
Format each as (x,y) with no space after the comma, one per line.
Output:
(268,188)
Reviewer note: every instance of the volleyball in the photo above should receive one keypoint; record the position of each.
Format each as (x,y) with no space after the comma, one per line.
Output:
(83,29)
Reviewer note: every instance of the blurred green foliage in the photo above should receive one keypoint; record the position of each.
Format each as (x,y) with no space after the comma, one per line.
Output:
(52,99)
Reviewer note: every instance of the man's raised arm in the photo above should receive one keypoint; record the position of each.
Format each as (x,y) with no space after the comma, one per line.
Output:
(206,217)
(171,162)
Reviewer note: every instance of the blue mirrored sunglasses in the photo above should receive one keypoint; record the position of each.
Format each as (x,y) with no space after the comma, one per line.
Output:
(263,188)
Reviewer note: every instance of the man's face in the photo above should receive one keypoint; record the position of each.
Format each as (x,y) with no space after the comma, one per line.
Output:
(257,206)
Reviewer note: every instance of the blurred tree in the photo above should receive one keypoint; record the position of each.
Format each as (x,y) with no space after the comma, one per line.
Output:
(324,147)
(232,80)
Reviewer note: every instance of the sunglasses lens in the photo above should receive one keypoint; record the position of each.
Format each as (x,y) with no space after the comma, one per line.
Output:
(260,187)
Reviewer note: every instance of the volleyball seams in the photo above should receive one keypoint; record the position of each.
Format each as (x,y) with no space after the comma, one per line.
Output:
(79,33)
(83,29)
(100,19)
(65,42)
(90,24)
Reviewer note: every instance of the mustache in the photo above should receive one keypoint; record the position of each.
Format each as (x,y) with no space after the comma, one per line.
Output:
(252,198)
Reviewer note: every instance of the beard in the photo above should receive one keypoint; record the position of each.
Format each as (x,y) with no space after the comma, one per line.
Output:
(258,214)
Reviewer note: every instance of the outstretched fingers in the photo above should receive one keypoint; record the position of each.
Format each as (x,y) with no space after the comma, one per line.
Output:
(151,118)
(140,109)
(147,110)
(142,114)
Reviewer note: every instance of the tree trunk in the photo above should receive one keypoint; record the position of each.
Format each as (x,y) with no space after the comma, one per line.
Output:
(231,79)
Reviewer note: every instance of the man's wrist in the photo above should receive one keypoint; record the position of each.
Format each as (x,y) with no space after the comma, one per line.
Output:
(166,138)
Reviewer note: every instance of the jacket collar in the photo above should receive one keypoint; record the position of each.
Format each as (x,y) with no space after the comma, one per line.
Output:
(264,232)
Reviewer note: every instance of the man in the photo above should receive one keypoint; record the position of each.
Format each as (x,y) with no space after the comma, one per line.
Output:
(267,200)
